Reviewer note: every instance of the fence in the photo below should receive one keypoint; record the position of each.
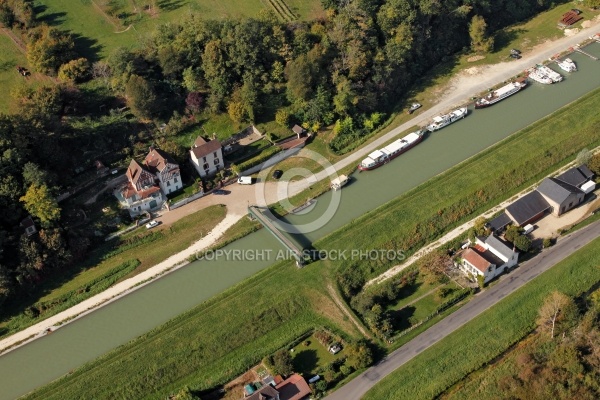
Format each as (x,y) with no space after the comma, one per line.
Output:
(440,309)
(187,200)
(282,155)
(140,222)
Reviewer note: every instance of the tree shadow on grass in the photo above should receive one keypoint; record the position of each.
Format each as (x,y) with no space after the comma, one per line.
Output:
(401,318)
(87,47)
(51,19)
(504,37)
(306,361)
(170,5)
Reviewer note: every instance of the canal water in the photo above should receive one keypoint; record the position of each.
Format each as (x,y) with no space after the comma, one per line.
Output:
(54,355)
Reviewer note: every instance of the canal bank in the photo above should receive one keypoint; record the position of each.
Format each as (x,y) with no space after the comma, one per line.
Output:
(467,140)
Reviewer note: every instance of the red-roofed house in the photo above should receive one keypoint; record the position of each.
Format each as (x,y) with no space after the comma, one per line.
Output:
(293,388)
(488,258)
(207,156)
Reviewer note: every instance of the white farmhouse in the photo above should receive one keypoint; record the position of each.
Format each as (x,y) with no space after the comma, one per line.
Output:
(207,156)
(489,258)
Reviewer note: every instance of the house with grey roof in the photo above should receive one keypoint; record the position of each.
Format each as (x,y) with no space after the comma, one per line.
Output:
(528,208)
(561,196)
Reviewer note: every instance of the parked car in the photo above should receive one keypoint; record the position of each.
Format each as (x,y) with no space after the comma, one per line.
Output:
(515,51)
(414,107)
(515,56)
(245,180)
(221,191)
(151,224)
(576,10)
(277,174)
(335,348)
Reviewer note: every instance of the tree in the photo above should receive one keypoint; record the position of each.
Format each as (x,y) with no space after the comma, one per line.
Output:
(479,39)
(75,70)
(194,102)
(512,233)
(592,3)
(49,48)
(282,362)
(40,203)
(594,164)
(300,78)
(359,355)
(141,97)
(5,285)
(435,263)
(32,174)
(282,117)
(557,313)
(40,105)
(522,243)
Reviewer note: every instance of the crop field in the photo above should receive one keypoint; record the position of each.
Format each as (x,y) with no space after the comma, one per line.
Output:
(101,26)
(215,342)
(502,325)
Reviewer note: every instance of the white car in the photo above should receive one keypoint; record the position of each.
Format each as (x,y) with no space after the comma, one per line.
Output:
(151,224)
(414,107)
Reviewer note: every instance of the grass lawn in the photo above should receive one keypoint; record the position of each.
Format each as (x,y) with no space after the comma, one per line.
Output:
(308,359)
(502,325)
(171,240)
(10,57)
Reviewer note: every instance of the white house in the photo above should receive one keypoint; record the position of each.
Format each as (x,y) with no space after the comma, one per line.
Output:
(141,193)
(489,258)
(165,169)
(207,156)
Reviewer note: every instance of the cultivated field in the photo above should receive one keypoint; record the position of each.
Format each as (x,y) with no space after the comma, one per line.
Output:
(490,334)
(281,303)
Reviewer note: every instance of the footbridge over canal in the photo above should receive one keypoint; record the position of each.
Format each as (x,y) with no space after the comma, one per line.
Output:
(255,212)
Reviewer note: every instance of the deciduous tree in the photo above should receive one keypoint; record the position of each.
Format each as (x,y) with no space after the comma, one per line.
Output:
(557,313)
(74,71)
(479,37)
(39,202)
(49,48)
(141,97)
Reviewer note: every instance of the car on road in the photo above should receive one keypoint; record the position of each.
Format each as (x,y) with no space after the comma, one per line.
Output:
(277,174)
(151,224)
(221,191)
(414,107)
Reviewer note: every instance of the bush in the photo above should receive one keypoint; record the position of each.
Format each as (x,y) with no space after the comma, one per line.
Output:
(481,281)
(259,159)
(547,243)
(74,71)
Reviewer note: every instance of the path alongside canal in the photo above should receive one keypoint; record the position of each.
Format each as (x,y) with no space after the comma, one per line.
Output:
(461,88)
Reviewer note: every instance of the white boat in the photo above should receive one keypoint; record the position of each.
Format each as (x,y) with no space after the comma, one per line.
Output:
(391,151)
(567,65)
(500,94)
(338,182)
(443,120)
(550,73)
(539,76)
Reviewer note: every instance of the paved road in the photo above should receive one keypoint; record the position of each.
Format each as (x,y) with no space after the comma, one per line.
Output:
(356,388)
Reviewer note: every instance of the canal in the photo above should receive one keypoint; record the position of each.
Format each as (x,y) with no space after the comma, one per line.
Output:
(54,355)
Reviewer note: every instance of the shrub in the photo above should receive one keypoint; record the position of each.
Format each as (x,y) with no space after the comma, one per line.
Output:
(480,281)
(547,243)
(259,159)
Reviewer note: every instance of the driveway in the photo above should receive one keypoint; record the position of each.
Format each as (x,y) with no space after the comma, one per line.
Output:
(566,246)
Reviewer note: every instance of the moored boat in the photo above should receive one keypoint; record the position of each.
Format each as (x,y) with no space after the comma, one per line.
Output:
(391,151)
(444,120)
(338,182)
(500,94)
(567,65)
(538,76)
(550,73)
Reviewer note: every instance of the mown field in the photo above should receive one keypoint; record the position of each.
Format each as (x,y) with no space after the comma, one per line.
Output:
(490,334)
(10,57)
(145,248)
(100,31)
(221,338)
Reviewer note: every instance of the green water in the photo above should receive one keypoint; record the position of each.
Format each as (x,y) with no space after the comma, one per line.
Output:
(56,354)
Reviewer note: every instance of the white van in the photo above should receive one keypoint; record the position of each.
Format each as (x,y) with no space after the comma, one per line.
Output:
(245,180)
(527,229)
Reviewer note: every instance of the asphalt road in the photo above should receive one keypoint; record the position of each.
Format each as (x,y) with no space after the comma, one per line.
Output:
(509,283)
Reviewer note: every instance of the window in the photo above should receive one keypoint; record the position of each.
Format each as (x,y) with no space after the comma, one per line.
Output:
(203,159)
(206,167)
(570,204)
(168,183)
(215,154)
(175,180)
(216,161)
